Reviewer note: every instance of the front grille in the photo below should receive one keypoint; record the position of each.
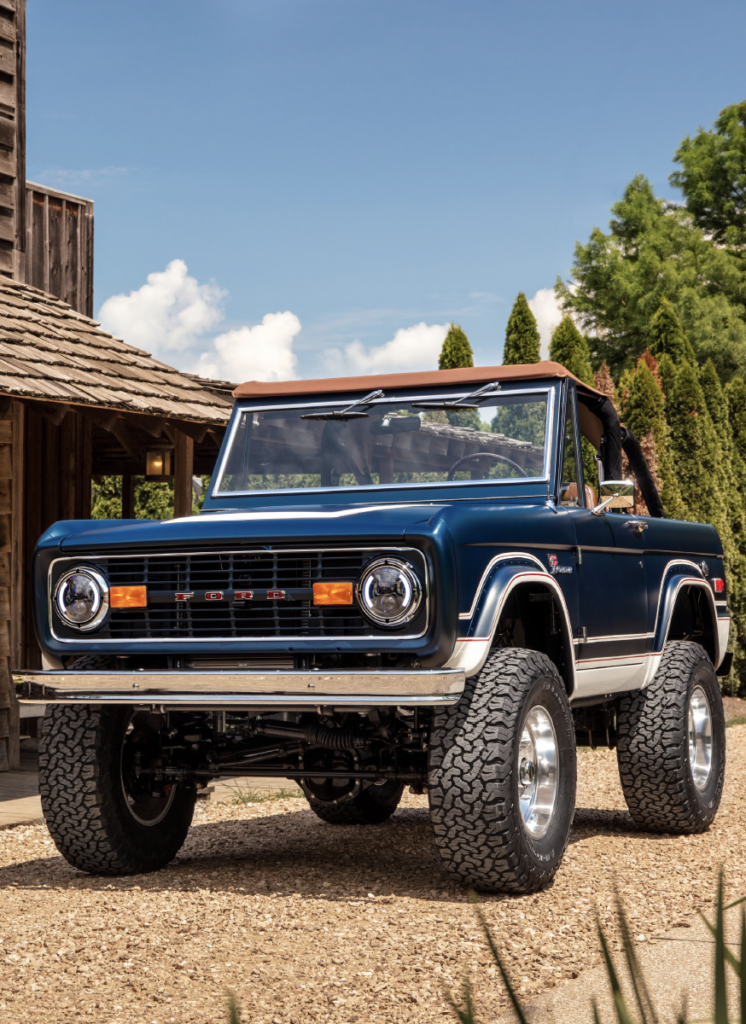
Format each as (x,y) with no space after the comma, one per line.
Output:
(224,578)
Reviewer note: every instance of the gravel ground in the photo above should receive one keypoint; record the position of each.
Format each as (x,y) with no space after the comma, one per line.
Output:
(310,922)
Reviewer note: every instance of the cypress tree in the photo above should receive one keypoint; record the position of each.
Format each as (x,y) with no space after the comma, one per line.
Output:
(569,348)
(644,413)
(456,351)
(732,481)
(667,373)
(667,335)
(522,341)
(604,382)
(696,451)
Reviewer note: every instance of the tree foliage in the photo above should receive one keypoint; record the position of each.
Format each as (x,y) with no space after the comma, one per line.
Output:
(456,351)
(667,335)
(569,348)
(713,177)
(522,339)
(654,250)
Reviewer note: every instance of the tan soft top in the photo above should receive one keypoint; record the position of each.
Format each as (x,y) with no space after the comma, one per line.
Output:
(428,378)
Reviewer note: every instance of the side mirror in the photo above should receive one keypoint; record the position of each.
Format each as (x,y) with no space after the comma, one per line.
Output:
(615,494)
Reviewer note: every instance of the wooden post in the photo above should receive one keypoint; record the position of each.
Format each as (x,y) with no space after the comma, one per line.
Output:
(128,496)
(11,471)
(183,472)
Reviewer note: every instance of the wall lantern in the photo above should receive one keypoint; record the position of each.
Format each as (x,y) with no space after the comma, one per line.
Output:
(158,463)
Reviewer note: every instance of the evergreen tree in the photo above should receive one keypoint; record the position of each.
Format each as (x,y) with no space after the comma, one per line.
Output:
(522,340)
(732,477)
(569,348)
(697,453)
(456,351)
(667,335)
(667,372)
(644,413)
(654,250)
(604,382)
(713,178)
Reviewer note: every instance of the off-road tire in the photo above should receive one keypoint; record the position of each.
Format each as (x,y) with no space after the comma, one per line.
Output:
(83,800)
(473,776)
(372,806)
(653,745)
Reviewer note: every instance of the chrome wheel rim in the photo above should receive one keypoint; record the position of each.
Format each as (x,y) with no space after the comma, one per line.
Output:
(538,772)
(700,737)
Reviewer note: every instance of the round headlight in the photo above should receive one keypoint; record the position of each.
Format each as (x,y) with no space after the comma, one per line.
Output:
(389,592)
(82,598)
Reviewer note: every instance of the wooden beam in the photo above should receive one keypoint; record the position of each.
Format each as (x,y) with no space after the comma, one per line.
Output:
(17,574)
(54,413)
(105,418)
(152,425)
(121,432)
(196,431)
(183,472)
(128,496)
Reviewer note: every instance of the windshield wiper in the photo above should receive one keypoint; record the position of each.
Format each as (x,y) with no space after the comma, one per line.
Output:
(458,403)
(350,412)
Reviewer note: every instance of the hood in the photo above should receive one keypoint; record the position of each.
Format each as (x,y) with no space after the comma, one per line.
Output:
(270,525)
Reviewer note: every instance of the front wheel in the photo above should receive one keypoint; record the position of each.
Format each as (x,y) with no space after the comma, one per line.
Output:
(105,811)
(503,774)
(671,744)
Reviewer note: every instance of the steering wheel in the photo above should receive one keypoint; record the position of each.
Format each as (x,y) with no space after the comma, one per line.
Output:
(484,455)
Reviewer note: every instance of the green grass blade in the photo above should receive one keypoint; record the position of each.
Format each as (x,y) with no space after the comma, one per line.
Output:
(721,994)
(234,1016)
(729,906)
(730,959)
(682,1016)
(620,1005)
(465,1014)
(596,1018)
(517,1008)
(642,996)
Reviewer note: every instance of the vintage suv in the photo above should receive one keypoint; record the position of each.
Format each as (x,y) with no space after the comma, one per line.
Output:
(399,580)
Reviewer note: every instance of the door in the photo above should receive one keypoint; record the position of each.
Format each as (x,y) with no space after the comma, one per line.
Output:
(613,640)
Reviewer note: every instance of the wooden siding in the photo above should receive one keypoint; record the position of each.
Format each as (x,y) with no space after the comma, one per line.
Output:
(9,718)
(12,138)
(59,245)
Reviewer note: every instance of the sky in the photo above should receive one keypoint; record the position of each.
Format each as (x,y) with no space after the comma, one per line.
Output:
(311,188)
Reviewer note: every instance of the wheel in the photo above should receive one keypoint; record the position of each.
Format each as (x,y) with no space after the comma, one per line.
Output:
(502,775)
(104,815)
(671,744)
(346,802)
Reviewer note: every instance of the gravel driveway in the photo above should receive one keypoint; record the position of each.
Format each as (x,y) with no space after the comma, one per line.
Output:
(311,922)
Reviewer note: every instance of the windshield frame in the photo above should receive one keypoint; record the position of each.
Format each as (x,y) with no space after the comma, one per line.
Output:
(247,406)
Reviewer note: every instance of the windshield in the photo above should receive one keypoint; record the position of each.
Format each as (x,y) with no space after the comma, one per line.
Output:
(386,442)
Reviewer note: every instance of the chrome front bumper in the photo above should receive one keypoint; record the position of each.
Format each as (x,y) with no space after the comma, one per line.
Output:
(229,688)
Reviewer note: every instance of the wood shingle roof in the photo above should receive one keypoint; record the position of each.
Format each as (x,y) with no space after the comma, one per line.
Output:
(48,351)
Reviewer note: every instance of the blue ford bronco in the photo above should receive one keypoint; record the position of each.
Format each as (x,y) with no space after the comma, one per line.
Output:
(395,581)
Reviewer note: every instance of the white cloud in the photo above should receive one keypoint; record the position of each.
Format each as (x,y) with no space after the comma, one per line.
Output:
(548,314)
(166,315)
(172,316)
(411,348)
(263,352)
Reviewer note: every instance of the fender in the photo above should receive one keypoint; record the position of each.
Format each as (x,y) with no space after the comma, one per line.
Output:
(503,574)
(677,576)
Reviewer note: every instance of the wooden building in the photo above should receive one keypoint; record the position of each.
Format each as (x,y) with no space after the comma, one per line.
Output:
(76,402)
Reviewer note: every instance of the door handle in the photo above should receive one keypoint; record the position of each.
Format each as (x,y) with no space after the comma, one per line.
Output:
(637,526)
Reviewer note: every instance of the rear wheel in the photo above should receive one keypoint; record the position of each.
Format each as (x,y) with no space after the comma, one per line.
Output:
(104,810)
(502,775)
(671,744)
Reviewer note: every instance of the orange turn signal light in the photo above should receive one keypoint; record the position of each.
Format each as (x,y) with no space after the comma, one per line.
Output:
(332,593)
(128,597)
